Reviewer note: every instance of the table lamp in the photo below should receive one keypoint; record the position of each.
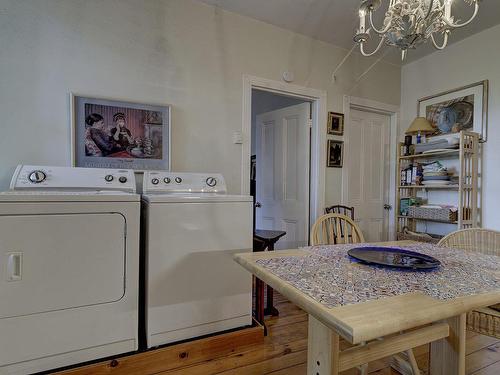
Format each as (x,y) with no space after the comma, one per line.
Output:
(420,126)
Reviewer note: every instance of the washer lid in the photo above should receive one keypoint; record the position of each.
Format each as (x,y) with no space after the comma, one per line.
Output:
(195,198)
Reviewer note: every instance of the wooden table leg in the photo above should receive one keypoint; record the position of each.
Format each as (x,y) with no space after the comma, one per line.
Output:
(323,349)
(447,355)
(259,302)
(270,309)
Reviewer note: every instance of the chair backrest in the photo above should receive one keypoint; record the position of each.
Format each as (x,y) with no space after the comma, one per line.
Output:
(481,240)
(342,210)
(331,229)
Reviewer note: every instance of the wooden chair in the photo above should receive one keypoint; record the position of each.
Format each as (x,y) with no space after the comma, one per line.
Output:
(332,229)
(485,321)
(342,210)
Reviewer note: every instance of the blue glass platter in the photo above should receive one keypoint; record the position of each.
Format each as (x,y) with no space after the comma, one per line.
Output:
(394,257)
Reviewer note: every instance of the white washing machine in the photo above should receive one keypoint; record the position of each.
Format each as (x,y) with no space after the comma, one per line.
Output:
(192,228)
(69,267)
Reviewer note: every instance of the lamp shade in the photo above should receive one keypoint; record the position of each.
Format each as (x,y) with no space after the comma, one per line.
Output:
(420,125)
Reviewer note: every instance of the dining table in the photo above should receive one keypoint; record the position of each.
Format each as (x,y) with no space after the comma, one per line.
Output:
(380,311)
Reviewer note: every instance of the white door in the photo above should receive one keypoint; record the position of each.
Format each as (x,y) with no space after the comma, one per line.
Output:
(282,171)
(367,171)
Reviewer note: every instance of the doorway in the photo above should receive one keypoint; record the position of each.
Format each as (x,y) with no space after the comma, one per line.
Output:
(315,161)
(369,166)
(280,150)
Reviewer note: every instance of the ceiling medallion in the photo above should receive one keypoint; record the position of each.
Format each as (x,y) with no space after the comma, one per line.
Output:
(409,23)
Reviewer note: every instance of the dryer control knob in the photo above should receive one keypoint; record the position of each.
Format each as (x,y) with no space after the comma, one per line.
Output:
(155,181)
(211,181)
(37,176)
(178,180)
(109,177)
(166,180)
(122,179)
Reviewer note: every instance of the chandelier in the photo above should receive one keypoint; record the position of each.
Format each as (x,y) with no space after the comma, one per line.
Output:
(409,23)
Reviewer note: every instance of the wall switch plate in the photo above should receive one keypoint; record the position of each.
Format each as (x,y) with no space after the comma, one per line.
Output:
(237,137)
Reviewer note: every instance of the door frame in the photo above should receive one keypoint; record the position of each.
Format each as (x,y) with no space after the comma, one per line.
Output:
(393,111)
(317,167)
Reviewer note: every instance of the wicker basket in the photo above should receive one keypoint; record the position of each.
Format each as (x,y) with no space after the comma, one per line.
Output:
(420,237)
(485,321)
(439,214)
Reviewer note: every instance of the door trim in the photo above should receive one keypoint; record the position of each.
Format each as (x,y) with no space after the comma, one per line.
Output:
(355,103)
(318,135)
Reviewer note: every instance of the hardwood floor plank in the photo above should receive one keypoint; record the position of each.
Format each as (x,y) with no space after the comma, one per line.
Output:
(300,369)
(286,319)
(270,365)
(284,352)
(482,358)
(493,369)
(478,342)
(239,361)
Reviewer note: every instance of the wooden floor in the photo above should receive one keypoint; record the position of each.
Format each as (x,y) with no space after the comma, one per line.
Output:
(284,352)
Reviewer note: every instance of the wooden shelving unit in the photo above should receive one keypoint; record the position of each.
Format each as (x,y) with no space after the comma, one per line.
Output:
(440,154)
(466,161)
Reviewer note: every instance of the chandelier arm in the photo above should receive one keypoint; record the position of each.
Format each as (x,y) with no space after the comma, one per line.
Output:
(379,32)
(457,25)
(371,53)
(431,5)
(442,46)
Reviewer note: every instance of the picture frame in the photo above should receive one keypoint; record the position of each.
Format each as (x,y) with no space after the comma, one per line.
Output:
(119,134)
(463,108)
(335,123)
(335,157)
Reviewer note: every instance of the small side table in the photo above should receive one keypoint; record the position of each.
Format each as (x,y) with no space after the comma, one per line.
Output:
(268,238)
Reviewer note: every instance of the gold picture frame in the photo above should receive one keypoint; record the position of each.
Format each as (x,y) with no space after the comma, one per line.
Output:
(335,123)
(335,157)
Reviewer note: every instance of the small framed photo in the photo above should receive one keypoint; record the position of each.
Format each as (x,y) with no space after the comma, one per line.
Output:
(109,133)
(335,157)
(335,123)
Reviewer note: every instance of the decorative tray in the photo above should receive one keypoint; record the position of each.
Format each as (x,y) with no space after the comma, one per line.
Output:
(394,257)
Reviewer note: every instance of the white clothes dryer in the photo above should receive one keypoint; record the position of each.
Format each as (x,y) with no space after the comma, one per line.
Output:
(191,229)
(69,275)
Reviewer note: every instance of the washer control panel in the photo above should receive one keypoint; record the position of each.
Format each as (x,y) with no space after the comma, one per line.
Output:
(34,177)
(172,182)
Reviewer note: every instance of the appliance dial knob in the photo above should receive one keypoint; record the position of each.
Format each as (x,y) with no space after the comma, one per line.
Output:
(109,177)
(211,181)
(37,176)
(122,179)
(155,181)
(166,180)
(178,180)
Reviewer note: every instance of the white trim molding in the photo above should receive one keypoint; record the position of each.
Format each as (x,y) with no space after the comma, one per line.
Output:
(318,135)
(393,111)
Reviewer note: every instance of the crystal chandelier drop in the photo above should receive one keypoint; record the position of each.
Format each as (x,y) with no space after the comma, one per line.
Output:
(409,23)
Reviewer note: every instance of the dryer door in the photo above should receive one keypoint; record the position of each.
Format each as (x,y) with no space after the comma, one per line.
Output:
(60,261)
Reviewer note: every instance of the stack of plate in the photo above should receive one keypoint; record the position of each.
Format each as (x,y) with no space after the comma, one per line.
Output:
(436,178)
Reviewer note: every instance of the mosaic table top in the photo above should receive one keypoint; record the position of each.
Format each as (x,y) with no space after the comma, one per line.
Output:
(330,277)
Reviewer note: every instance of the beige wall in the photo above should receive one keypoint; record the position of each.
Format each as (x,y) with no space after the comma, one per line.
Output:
(470,60)
(181,52)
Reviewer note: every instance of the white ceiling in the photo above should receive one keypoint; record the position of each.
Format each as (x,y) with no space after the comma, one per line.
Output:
(335,21)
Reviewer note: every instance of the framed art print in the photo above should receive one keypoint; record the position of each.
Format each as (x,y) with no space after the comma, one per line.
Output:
(335,157)
(464,108)
(110,133)
(335,123)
